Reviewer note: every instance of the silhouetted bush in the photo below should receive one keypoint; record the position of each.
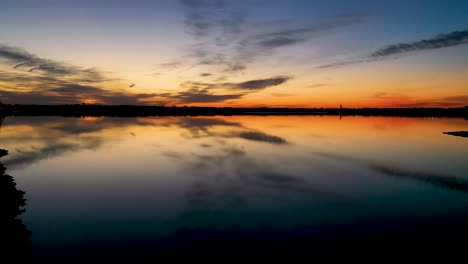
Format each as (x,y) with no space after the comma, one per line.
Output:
(13,233)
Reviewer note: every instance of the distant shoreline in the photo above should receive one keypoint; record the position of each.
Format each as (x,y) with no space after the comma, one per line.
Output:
(135,111)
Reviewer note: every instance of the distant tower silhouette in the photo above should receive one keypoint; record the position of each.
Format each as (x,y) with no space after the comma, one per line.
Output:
(341,106)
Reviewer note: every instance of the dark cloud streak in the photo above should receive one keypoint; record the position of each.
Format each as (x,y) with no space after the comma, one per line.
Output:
(69,93)
(262,83)
(250,85)
(440,41)
(201,96)
(451,39)
(199,92)
(21,58)
(280,41)
(15,54)
(36,80)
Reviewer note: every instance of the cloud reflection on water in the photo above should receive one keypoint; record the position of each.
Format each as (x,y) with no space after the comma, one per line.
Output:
(233,179)
(436,179)
(56,136)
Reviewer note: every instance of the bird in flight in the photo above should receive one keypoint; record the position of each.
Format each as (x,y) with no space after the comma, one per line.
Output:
(132,85)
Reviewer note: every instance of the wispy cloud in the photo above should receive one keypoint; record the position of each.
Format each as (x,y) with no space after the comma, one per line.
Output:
(317,85)
(15,54)
(292,36)
(451,101)
(20,81)
(31,89)
(440,41)
(21,59)
(204,16)
(282,94)
(171,65)
(200,92)
(26,78)
(225,37)
(343,63)
(460,98)
(404,100)
(451,39)
(73,94)
(251,46)
(198,96)
(262,83)
(251,85)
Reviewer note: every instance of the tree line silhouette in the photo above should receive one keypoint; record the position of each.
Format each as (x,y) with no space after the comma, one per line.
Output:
(134,110)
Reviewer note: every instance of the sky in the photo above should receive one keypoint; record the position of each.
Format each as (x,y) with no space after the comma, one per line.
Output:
(244,53)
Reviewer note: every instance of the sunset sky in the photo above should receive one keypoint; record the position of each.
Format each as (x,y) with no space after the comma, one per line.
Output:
(288,53)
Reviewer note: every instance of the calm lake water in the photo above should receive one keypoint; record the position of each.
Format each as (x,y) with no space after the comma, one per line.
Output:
(136,186)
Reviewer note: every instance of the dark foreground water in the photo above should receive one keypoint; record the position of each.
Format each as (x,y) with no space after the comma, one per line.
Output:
(146,188)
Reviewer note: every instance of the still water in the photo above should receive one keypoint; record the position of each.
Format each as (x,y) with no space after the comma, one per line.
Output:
(123,186)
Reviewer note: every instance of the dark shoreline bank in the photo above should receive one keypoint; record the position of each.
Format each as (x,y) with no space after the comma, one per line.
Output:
(134,111)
